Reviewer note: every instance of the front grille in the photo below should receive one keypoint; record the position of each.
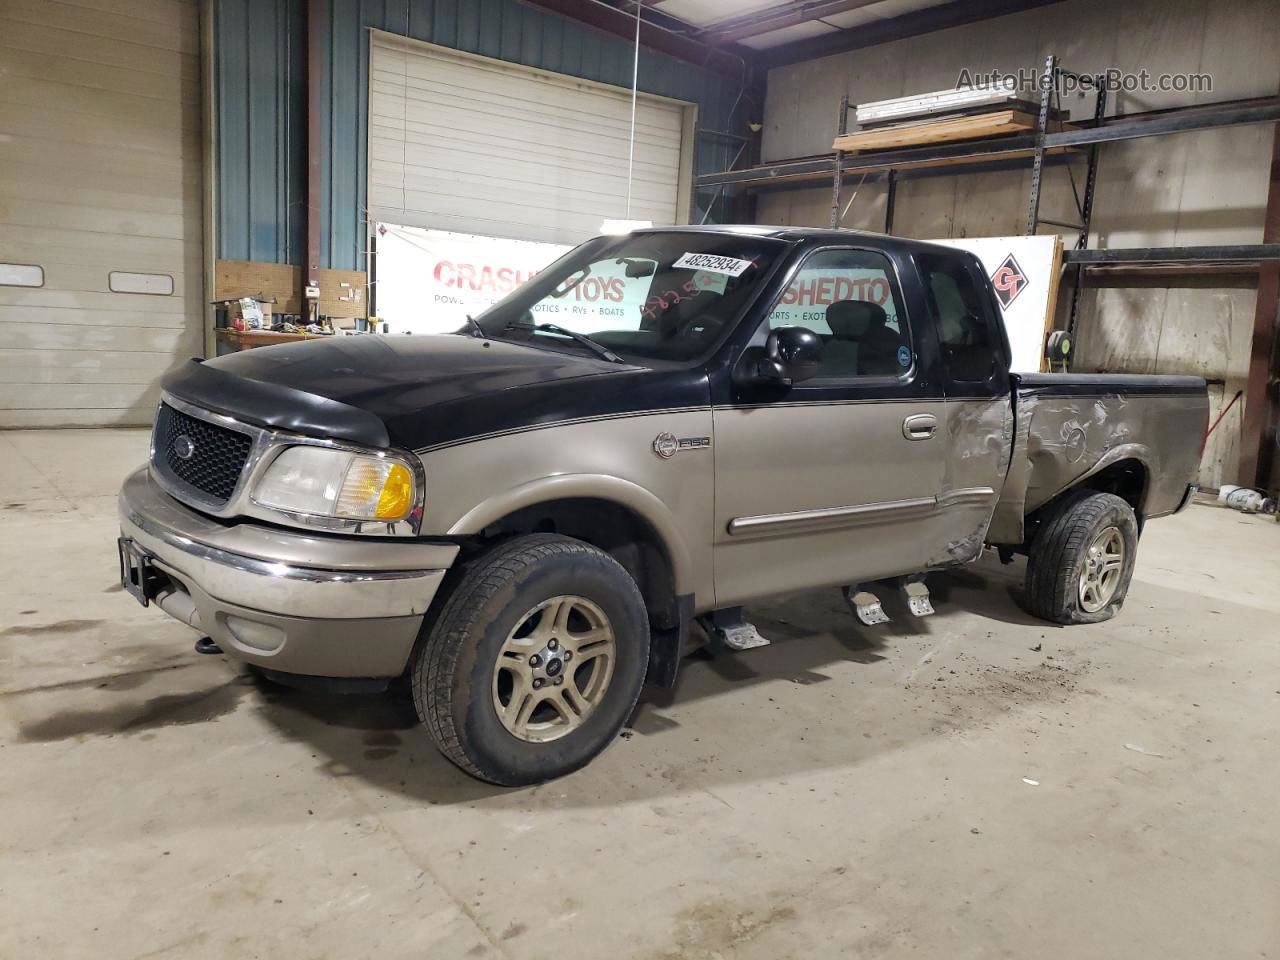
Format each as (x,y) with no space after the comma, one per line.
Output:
(215,456)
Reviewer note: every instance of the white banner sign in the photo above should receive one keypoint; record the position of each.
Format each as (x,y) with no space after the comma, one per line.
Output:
(1024,272)
(429,280)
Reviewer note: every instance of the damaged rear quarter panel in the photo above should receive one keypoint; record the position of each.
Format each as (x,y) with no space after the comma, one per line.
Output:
(1070,428)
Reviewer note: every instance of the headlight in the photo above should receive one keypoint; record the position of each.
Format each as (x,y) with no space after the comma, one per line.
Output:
(323,482)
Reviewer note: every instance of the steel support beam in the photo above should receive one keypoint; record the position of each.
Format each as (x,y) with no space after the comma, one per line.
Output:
(895,28)
(209,170)
(310,274)
(1174,121)
(1047,83)
(1261,408)
(842,126)
(890,201)
(823,167)
(1231,253)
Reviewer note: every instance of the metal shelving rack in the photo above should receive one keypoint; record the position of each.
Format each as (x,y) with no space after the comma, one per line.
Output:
(1050,103)
(1044,148)
(1040,149)
(1049,94)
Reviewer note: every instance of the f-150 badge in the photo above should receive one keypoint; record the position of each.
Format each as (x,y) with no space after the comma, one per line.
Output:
(667,445)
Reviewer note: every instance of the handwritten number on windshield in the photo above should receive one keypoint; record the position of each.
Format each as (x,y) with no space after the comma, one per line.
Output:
(664,301)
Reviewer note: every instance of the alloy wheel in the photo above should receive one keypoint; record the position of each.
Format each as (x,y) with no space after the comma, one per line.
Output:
(554,669)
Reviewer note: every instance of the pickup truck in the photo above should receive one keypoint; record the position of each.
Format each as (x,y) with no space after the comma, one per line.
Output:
(523,521)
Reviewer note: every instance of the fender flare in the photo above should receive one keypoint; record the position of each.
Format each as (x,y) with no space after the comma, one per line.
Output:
(1125,451)
(592,486)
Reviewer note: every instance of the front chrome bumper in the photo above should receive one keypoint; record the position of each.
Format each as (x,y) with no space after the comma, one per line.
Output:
(293,602)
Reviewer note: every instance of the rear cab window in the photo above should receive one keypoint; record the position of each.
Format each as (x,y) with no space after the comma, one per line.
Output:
(969,336)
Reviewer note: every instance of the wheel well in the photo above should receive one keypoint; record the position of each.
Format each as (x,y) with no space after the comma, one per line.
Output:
(1127,479)
(618,531)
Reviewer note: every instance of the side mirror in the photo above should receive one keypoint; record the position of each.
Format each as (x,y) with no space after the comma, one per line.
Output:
(790,355)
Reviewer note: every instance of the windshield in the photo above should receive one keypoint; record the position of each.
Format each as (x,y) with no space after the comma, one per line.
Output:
(663,296)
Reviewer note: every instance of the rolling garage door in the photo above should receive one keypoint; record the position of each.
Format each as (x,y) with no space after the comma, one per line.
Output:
(472,145)
(100,217)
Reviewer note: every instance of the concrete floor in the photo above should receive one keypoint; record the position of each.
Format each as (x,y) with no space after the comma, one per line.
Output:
(971,785)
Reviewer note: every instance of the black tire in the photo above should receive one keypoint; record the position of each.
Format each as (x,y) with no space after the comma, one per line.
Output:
(1060,550)
(453,668)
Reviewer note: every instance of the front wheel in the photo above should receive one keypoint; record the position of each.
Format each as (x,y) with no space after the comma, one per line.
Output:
(1081,560)
(535,662)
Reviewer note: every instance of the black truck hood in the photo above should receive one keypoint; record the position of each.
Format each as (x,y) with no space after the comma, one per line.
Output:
(415,392)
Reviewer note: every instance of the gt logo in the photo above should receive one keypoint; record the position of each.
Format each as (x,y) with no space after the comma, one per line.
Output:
(1009,281)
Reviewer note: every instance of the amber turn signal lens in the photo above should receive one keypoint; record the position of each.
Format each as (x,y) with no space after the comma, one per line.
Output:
(396,499)
(375,488)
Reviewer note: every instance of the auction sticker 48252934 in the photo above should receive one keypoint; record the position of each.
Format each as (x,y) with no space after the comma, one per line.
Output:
(730,266)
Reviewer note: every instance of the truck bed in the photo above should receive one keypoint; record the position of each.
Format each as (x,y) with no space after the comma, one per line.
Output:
(1068,427)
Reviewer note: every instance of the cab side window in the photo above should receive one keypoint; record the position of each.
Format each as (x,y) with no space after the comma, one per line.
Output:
(850,300)
(969,346)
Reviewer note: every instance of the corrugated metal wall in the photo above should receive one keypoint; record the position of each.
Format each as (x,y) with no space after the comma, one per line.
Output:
(261,86)
(260,79)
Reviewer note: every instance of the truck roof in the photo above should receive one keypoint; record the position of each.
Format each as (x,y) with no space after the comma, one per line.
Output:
(815,234)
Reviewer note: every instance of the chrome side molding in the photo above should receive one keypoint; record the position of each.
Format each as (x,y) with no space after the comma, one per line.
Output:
(857,514)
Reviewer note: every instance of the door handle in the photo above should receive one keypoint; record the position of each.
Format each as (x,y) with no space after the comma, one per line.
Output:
(920,426)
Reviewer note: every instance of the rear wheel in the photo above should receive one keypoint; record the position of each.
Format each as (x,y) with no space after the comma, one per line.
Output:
(1082,558)
(535,662)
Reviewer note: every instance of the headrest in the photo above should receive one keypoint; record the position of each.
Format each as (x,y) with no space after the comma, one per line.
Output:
(852,319)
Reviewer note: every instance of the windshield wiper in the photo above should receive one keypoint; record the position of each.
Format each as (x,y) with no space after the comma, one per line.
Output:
(479,330)
(593,345)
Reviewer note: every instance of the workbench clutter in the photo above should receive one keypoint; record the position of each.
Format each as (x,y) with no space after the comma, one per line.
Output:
(247,313)
(336,304)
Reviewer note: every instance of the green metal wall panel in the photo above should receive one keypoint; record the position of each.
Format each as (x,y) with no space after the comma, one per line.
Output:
(261,130)
(259,56)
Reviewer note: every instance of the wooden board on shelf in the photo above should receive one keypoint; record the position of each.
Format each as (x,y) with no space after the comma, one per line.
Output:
(343,293)
(854,168)
(971,127)
(1051,310)
(1023,154)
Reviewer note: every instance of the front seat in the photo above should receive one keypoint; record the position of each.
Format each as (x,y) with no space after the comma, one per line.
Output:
(861,341)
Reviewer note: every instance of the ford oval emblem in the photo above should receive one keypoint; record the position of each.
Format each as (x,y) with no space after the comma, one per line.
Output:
(183,447)
(665,445)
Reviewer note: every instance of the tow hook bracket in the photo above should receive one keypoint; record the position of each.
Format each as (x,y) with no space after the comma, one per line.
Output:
(866,606)
(729,628)
(206,646)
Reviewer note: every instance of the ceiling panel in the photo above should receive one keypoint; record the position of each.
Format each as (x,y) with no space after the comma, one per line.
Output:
(800,31)
(705,14)
(883,11)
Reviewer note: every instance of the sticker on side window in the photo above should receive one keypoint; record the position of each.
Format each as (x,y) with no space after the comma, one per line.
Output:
(729,266)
